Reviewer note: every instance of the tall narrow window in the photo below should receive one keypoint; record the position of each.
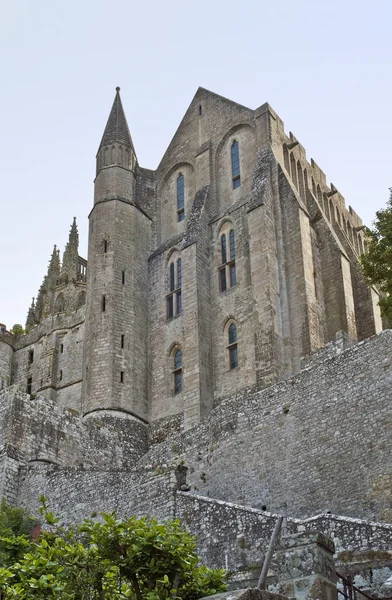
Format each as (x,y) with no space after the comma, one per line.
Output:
(233,275)
(29,385)
(177,371)
(122,340)
(123,277)
(180,197)
(235,165)
(31,357)
(60,375)
(179,283)
(227,270)
(174,298)
(61,348)
(122,377)
(105,246)
(232,346)
(103,303)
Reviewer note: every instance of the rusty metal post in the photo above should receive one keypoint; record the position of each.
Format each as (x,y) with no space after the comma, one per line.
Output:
(268,556)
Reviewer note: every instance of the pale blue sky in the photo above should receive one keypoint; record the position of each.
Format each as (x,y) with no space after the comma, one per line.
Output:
(324,66)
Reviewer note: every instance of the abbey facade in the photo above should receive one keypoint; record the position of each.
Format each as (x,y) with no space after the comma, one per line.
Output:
(215,273)
(218,356)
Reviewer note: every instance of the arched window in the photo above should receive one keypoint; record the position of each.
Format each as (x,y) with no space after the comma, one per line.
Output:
(180,197)
(235,165)
(232,346)
(177,371)
(174,298)
(60,304)
(81,300)
(223,249)
(227,270)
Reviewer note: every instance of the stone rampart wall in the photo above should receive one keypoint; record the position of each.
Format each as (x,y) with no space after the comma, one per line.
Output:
(74,494)
(319,441)
(36,429)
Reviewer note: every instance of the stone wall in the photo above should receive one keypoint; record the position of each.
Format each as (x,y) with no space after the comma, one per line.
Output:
(6,353)
(236,537)
(51,355)
(319,441)
(35,429)
(74,494)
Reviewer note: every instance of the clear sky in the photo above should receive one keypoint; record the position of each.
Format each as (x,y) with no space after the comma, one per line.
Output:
(323,65)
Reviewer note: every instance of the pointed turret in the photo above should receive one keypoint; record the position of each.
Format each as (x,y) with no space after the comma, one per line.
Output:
(116,147)
(51,279)
(54,268)
(115,346)
(117,130)
(31,321)
(69,269)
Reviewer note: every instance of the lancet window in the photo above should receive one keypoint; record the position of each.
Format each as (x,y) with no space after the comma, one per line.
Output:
(235,165)
(227,270)
(180,197)
(174,297)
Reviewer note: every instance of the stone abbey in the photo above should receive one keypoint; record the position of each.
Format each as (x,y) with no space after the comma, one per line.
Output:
(221,323)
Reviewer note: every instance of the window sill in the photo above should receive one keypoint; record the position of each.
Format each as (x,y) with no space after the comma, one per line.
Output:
(169,319)
(229,290)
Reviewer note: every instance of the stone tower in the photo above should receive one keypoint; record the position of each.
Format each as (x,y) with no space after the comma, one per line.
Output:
(115,348)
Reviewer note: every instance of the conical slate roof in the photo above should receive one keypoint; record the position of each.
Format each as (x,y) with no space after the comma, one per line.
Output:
(116,129)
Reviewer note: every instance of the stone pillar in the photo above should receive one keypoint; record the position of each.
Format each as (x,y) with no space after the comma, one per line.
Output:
(305,567)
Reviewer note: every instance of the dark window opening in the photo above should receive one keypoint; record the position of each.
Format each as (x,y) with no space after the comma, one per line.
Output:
(170,307)
(174,299)
(105,246)
(31,357)
(235,165)
(179,302)
(122,340)
(200,109)
(61,348)
(172,284)
(233,275)
(232,346)
(223,249)
(103,303)
(123,277)
(222,280)
(29,385)
(227,272)
(177,372)
(180,197)
(60,375)
(122,377)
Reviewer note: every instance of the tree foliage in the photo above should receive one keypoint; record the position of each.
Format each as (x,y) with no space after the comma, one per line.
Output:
(17,329)
(110,559)
(377,262)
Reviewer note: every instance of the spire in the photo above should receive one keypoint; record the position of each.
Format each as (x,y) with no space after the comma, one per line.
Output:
(69,269)
(31,320)
(43,301)
(116,130)
(54,268)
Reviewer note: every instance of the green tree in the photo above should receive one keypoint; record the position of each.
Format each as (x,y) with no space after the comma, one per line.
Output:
(111,559)
(377,262)
(17,329)
(17,529)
